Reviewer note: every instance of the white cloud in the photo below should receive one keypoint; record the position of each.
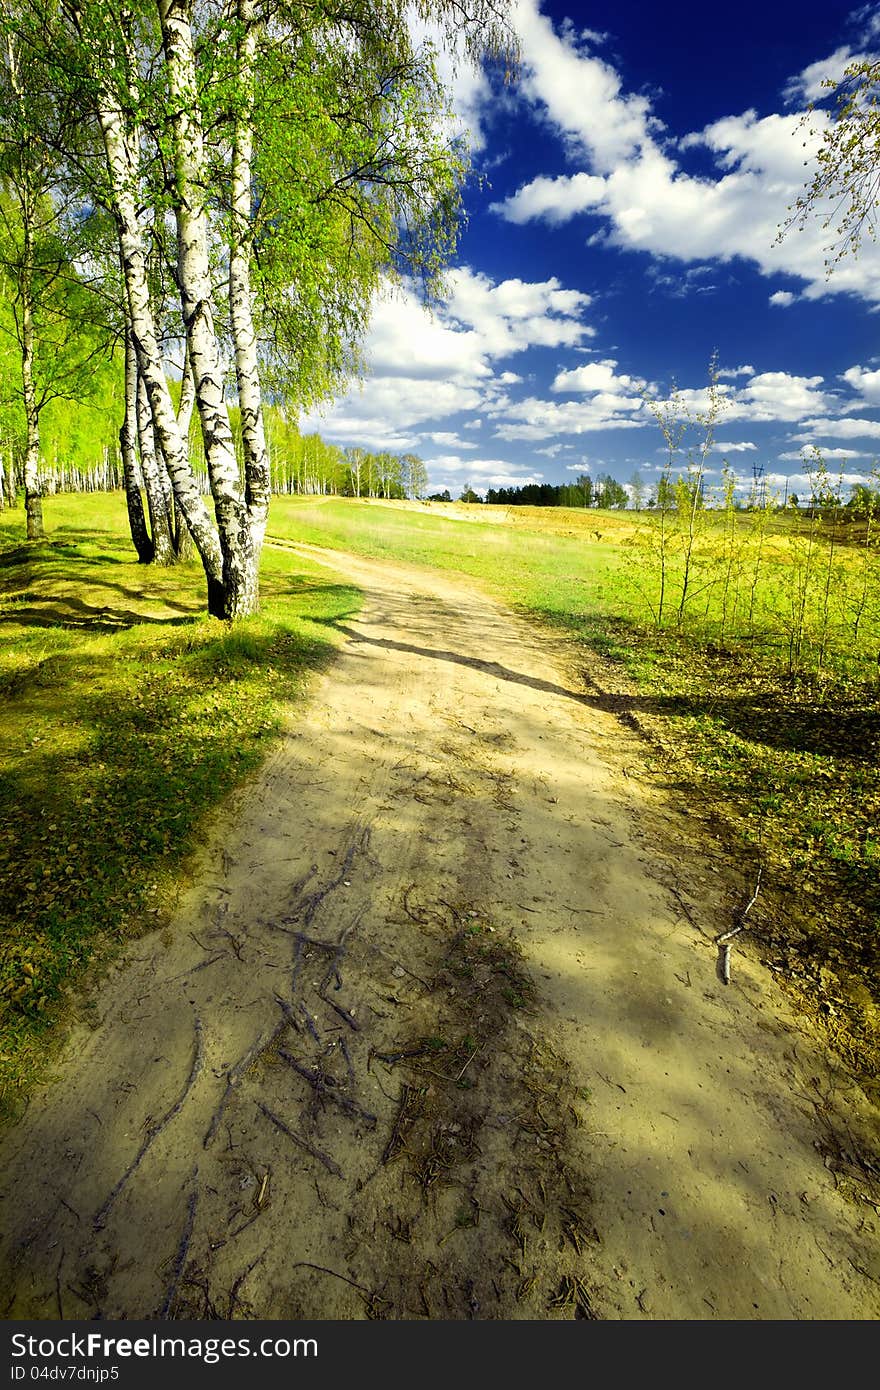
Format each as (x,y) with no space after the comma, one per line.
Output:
(513,479)
(450,440)
(534,419)
(780,396)
(467,88)
(867,384)
(766,396)
(847,428)
(645,196)
(826,454)
(733,448)
(809,85)
(582,94)
(516,314)
(454,472)
(425,367)
(553,200)
(746,370)
(782,298)
(597,376)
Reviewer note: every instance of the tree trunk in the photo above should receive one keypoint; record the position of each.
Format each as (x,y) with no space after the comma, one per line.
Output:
(33,497)
(127,436)
(158,495)
(121,165)
(239,539)
(258,483)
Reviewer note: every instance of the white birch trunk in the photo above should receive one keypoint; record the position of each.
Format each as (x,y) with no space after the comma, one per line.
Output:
(256,455)
(120,145)
(150,363)
(152,468)
(33,497)
(240,592)
(127,436)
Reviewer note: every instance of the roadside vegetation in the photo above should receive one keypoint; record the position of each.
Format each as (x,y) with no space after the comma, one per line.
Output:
(128,717)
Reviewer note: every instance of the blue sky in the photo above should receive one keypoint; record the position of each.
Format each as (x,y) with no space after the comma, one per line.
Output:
(634,179)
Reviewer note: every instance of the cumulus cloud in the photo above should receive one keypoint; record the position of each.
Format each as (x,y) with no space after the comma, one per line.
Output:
(800,456)
(809,85)
(516,314)
(865,383)
(535,419)
(766,396)
(642,191)
(428,366)
(728,447)
(553,200)
(782,298)
(581,93)
(450,440)
(454,472)
(845,428)
(780,396)
(595,377)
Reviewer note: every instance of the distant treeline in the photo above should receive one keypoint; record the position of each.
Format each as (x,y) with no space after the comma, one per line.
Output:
(80,453)
(602,491)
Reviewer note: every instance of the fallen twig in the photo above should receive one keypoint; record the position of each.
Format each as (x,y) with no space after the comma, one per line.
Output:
(330,1164)
(395,1141)
(182,1249)
(233,1292)
(155,1130)
(58,1287)
(307,907)
(322,1269)
(234,1075)
(327,1086)
(723,941)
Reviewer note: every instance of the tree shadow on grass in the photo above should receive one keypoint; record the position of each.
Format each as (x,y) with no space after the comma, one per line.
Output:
(94,819)
(72,612)
(849,730)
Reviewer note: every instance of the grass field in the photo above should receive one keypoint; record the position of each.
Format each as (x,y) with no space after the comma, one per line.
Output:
(127,718)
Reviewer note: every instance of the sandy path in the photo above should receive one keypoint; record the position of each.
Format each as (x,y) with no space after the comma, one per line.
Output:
(639,1142)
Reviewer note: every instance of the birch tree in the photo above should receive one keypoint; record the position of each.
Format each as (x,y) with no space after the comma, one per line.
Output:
(301,156)
(55,324)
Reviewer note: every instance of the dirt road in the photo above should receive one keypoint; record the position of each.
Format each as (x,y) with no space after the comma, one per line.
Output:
(437,1032)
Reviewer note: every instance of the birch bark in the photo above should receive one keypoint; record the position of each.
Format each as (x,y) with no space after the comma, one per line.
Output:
(149,353)
(240,557)
(154,473)
(127,448)
(244,336)
(33,496)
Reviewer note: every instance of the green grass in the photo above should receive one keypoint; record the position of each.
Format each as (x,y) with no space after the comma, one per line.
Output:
(127,718)
(561,573)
